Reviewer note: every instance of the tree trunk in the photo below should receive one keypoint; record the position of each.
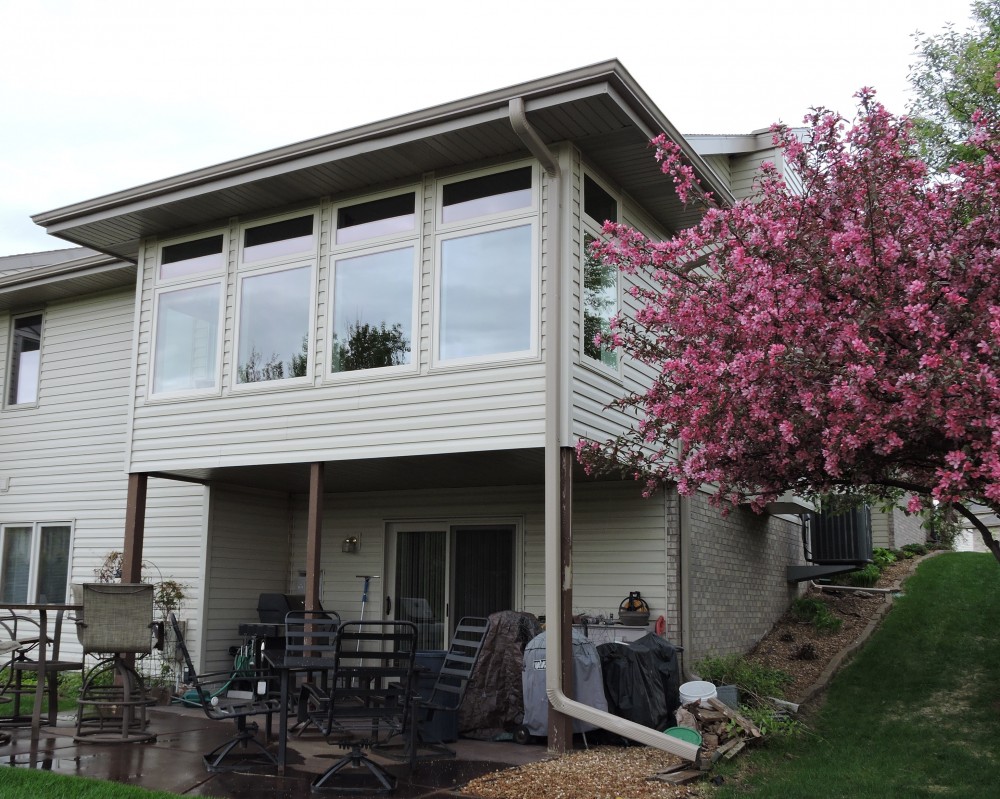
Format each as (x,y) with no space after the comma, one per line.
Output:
(991,543)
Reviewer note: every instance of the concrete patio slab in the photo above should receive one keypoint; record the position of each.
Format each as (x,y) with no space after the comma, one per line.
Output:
(174,761)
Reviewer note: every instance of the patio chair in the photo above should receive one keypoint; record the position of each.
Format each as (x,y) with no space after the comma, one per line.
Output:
(370,699)
(236,696)
(436,710)
(310,641)
(37,653)
(116,624)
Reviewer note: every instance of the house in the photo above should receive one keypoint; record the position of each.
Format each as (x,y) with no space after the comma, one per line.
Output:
(370,354)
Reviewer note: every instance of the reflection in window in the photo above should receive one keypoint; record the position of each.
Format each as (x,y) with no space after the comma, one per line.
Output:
(376,218)
(486,294)
(16,564)
(274,325)
(53,563)
(196,257)
(597,203)
(490,194)
(600,301)
(278,239)
(373,310)
(26,349)
(186,339)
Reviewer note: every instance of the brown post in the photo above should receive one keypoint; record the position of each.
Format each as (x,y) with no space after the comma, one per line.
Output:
(135,526)
(561,725)
(314,530)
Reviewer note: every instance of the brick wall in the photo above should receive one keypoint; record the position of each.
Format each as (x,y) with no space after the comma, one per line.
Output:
(737,577)
(906,529)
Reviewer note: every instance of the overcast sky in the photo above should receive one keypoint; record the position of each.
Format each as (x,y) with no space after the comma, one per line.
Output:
(102,95)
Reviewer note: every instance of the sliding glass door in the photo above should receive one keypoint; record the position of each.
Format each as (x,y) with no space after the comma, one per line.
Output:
(441,573)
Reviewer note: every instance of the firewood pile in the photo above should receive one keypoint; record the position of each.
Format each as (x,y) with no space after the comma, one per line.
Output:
(724,732)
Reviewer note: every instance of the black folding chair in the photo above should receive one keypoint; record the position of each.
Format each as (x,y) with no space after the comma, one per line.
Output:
(370,699)
(231,695)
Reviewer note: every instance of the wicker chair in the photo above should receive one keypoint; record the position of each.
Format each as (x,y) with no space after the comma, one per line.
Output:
(117,621)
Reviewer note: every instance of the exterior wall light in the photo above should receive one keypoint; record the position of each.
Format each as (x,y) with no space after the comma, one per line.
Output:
(350,544)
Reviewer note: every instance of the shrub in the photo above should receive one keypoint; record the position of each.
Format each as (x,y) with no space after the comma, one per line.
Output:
(915,549)
(753,680)
(864,578)
(883,558)
(814,611)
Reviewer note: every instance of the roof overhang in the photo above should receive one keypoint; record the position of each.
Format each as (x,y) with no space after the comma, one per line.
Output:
(601,109)
(41,278)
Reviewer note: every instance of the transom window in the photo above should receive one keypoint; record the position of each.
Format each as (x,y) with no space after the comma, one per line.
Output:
(600,281)
(483,196)
(24,367)
(34,562)
(280,239)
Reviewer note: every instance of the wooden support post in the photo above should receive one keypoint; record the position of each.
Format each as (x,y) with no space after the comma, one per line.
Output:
(561,725)
(314,531)
(135,526)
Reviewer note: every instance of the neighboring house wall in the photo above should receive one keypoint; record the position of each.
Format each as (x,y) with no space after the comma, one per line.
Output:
(881,529)
(737,577)
(907,529)
(63,459)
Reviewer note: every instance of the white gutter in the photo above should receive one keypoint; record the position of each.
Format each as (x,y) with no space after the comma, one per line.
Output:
(555,580)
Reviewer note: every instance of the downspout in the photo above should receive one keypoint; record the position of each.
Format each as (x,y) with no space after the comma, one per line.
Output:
(684,567)
(555,354)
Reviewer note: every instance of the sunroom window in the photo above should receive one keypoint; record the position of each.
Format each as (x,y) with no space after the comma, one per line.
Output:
(275,312)
(187,315)
(186,344)
(487,268)
(25,360)
(280,239)
(600,281)
(374,284)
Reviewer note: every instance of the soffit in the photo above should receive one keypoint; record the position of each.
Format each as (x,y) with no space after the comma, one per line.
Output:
(453,470)
(600,109)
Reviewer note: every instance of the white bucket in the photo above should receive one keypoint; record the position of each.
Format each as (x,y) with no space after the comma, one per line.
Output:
(696,691)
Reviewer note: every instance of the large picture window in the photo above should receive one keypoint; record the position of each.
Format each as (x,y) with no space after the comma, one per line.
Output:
(275,312)
(34,562)
(486,294)
(25,360)
(186,343)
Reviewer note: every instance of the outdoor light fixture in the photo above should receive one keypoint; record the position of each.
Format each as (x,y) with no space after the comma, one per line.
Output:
(350,544)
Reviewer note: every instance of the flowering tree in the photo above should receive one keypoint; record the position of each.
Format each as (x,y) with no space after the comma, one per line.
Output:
(841,338)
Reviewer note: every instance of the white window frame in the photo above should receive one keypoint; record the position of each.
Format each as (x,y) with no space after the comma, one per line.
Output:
(593,227)
(372,246)
(9,364)
(285,382)
(36,543)
(289,258)
(487,223)
(163,285)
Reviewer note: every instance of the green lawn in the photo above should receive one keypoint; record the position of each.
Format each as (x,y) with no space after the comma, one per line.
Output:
(21,783)
(916,714)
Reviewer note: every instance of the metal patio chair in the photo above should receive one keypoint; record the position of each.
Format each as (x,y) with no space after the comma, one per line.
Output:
(370,699)
(235,696)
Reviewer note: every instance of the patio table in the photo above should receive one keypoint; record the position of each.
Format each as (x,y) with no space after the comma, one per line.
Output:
(286,667)
(43,665)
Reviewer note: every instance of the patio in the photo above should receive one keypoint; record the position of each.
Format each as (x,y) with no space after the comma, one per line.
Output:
(174,761)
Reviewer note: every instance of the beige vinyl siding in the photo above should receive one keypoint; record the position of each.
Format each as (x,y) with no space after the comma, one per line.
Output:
(498,405)
(722,167)
(593,388)
(247,555)
(746,169)
(64,459)
(881,529)
(619,542)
